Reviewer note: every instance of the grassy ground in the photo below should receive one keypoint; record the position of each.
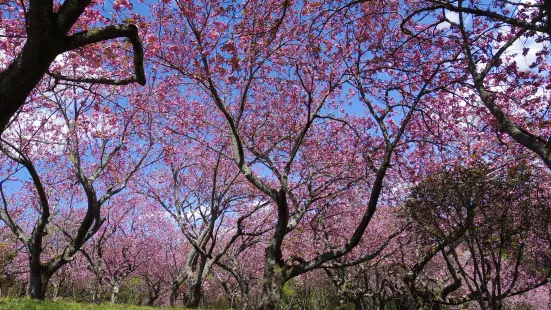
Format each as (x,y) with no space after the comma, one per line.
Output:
(28,304)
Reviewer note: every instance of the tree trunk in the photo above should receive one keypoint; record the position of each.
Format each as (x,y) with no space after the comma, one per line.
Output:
(274,266)
(382,303)
(272,287)
(174,293)
(56,290)
(38,284)
(195,282)
(151,300)
(245,302)
(115,293)
(23,74)
(153,293)
(358,305)
(194,295)
(496,304)
(96,297)
(244,289)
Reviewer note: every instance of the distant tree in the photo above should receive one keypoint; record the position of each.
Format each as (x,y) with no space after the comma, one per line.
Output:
(479,233)
(67,167)
(205,197)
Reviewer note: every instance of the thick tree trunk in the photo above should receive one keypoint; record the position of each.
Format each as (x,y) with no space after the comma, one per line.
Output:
(272,287)
(151,300)
(245,296)
(274,266)
(496,304)
(382,303)
(358,305)
(38,284)
(195,282)
(194,295)
(153,293)
(23,74)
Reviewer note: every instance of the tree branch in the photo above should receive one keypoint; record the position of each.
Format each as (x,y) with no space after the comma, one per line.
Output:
(129,31)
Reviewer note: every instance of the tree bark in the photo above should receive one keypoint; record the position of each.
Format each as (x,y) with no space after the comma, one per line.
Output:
(96,298)
(174,293)
(274,266)
(358,305)
(152,298)
(47,37)
(21,77)
(272,286)
(115,293)
(245,301)
(194,295)
(38,284)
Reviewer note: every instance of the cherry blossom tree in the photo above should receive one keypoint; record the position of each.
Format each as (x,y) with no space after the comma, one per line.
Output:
(477,225)
(72,156)
(301,153)
(120,248)
(272,77)
(34,33)
(504,47)
(201,194)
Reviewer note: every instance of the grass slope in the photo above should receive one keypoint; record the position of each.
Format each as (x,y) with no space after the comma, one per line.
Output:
(28,304)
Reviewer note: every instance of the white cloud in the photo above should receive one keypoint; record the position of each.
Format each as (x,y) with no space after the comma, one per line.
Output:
(451,16)
(533,47)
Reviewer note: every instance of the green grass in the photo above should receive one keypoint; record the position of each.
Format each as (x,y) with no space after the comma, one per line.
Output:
(29,304)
